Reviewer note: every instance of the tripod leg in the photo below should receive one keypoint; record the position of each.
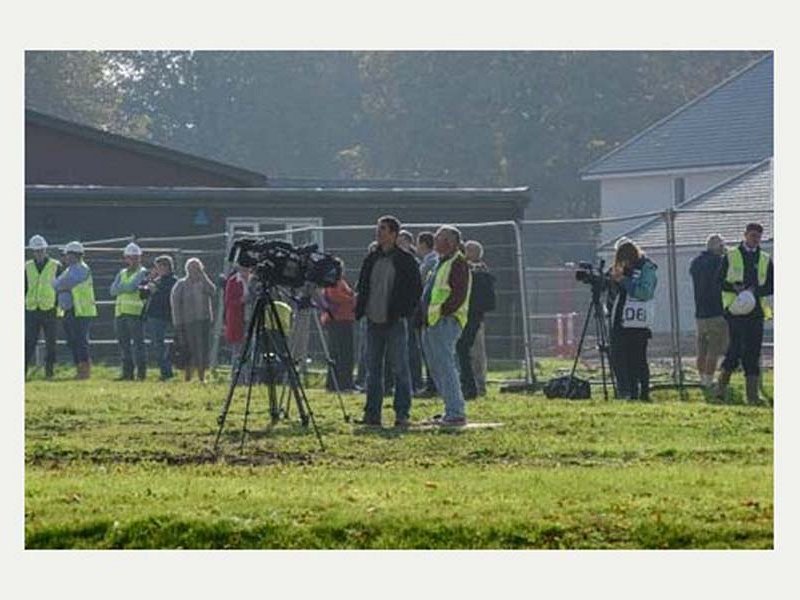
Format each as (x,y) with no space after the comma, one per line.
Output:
(232,387)
(579,349)
(331,366)
(255,355)
(601,346)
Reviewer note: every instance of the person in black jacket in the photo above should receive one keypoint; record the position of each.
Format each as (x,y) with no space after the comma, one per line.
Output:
(157,312)
(481,300)
(389,288)
(712,330)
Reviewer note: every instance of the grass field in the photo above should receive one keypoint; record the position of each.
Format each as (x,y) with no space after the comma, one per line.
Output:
(129,465)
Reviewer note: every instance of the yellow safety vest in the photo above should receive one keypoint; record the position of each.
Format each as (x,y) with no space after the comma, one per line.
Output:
(82,297)
(441,292)
(735,274)
(284,316)
(41,293)
(128,303)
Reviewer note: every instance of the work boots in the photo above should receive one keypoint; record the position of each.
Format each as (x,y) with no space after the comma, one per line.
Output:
(722,385)
(752,385)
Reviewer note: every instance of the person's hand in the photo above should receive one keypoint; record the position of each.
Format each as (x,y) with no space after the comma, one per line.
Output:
(617,273)
(738,287)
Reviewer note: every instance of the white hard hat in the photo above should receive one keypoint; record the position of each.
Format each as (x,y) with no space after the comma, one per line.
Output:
(75,247)
(744,304)
(37,242)
(132,250)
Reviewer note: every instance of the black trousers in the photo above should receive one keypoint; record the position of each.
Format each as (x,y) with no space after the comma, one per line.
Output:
(463,347)
(340,346)
(44,321)
(746,337)
(629,359)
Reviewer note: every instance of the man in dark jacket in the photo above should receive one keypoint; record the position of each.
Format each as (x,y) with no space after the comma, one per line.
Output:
(481,300)
(389,288)
(712,330)
(157,313)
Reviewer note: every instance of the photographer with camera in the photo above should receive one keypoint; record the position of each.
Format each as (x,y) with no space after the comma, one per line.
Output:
(631,291)
(389,289)
(157,312)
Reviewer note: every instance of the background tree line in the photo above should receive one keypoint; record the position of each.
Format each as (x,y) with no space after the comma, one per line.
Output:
(472,118)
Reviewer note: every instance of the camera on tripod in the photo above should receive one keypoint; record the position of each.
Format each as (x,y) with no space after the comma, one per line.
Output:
(592,275)
(280,263)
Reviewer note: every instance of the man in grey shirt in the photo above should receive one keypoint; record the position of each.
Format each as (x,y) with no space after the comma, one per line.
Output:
(389,288)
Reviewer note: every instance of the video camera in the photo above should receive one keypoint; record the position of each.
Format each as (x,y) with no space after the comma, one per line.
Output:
(592,275)
(280,263)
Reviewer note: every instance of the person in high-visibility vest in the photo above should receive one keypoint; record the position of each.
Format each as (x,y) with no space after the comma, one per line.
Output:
(445,301)
(40,303)
(128,317)
(745,268)
(75,294)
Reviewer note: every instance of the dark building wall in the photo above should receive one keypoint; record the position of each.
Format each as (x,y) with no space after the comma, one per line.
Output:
(58,157)
(96,216)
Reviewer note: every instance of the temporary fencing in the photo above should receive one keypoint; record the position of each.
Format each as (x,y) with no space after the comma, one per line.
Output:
(541,306)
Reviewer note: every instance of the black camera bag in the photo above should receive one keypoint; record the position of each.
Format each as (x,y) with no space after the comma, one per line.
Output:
(560,388)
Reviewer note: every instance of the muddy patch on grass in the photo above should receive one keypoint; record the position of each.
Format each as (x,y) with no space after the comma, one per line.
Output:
(58,459)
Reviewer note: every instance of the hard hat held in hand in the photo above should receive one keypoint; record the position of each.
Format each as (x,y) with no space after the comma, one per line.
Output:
(37,242)
(744,304)
(132,250)
(75,247)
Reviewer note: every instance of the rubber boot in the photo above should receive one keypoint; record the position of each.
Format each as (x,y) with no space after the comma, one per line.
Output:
(751,383)
(722,385)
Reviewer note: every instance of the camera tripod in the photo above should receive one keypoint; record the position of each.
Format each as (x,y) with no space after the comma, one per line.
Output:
(270,344)
(596,314)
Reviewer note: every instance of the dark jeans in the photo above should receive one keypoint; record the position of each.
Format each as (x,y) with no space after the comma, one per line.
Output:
(361,373)
(340,346)
(415,357)
(157,332)
(463,348)
(382,341)
(76,330)
(746,337)
(130,331)
(629,358)
(44,320)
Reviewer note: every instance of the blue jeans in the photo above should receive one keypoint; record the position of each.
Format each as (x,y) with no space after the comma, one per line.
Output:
(157,332)
(76,330)
(439,343)
(130,329)
(391,339)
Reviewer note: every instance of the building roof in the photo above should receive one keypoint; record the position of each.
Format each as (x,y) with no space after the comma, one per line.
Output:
(246,177)
(750,190)
(323,197)
(730,124)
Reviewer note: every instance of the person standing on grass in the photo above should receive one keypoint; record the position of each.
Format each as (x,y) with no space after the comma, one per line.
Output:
(75,291)
(745,270)
(128,313)
(192,315)
(481,300)
(427,262)
(158,313)
(40,303)
(446,302)
(634,280)
(235,299)
(339,303)
(389,288)
(712,329)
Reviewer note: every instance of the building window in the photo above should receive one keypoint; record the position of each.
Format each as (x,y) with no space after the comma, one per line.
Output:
(678,190)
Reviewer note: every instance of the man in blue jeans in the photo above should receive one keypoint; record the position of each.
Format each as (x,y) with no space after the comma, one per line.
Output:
(389,288)
(446,304)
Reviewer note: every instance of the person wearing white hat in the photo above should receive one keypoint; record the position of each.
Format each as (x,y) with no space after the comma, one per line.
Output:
(128,313)
(746,275)
(76,303)
(40,303)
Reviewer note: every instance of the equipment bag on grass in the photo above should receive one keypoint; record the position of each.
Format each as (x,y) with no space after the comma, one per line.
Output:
(560,388)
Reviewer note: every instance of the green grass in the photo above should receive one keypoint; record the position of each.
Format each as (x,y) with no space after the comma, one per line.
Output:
(129,465)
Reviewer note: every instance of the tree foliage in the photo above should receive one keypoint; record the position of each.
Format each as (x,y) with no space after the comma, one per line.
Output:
(475,118)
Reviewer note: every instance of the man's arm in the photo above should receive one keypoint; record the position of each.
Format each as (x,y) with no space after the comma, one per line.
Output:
(69,279)
(766,289)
